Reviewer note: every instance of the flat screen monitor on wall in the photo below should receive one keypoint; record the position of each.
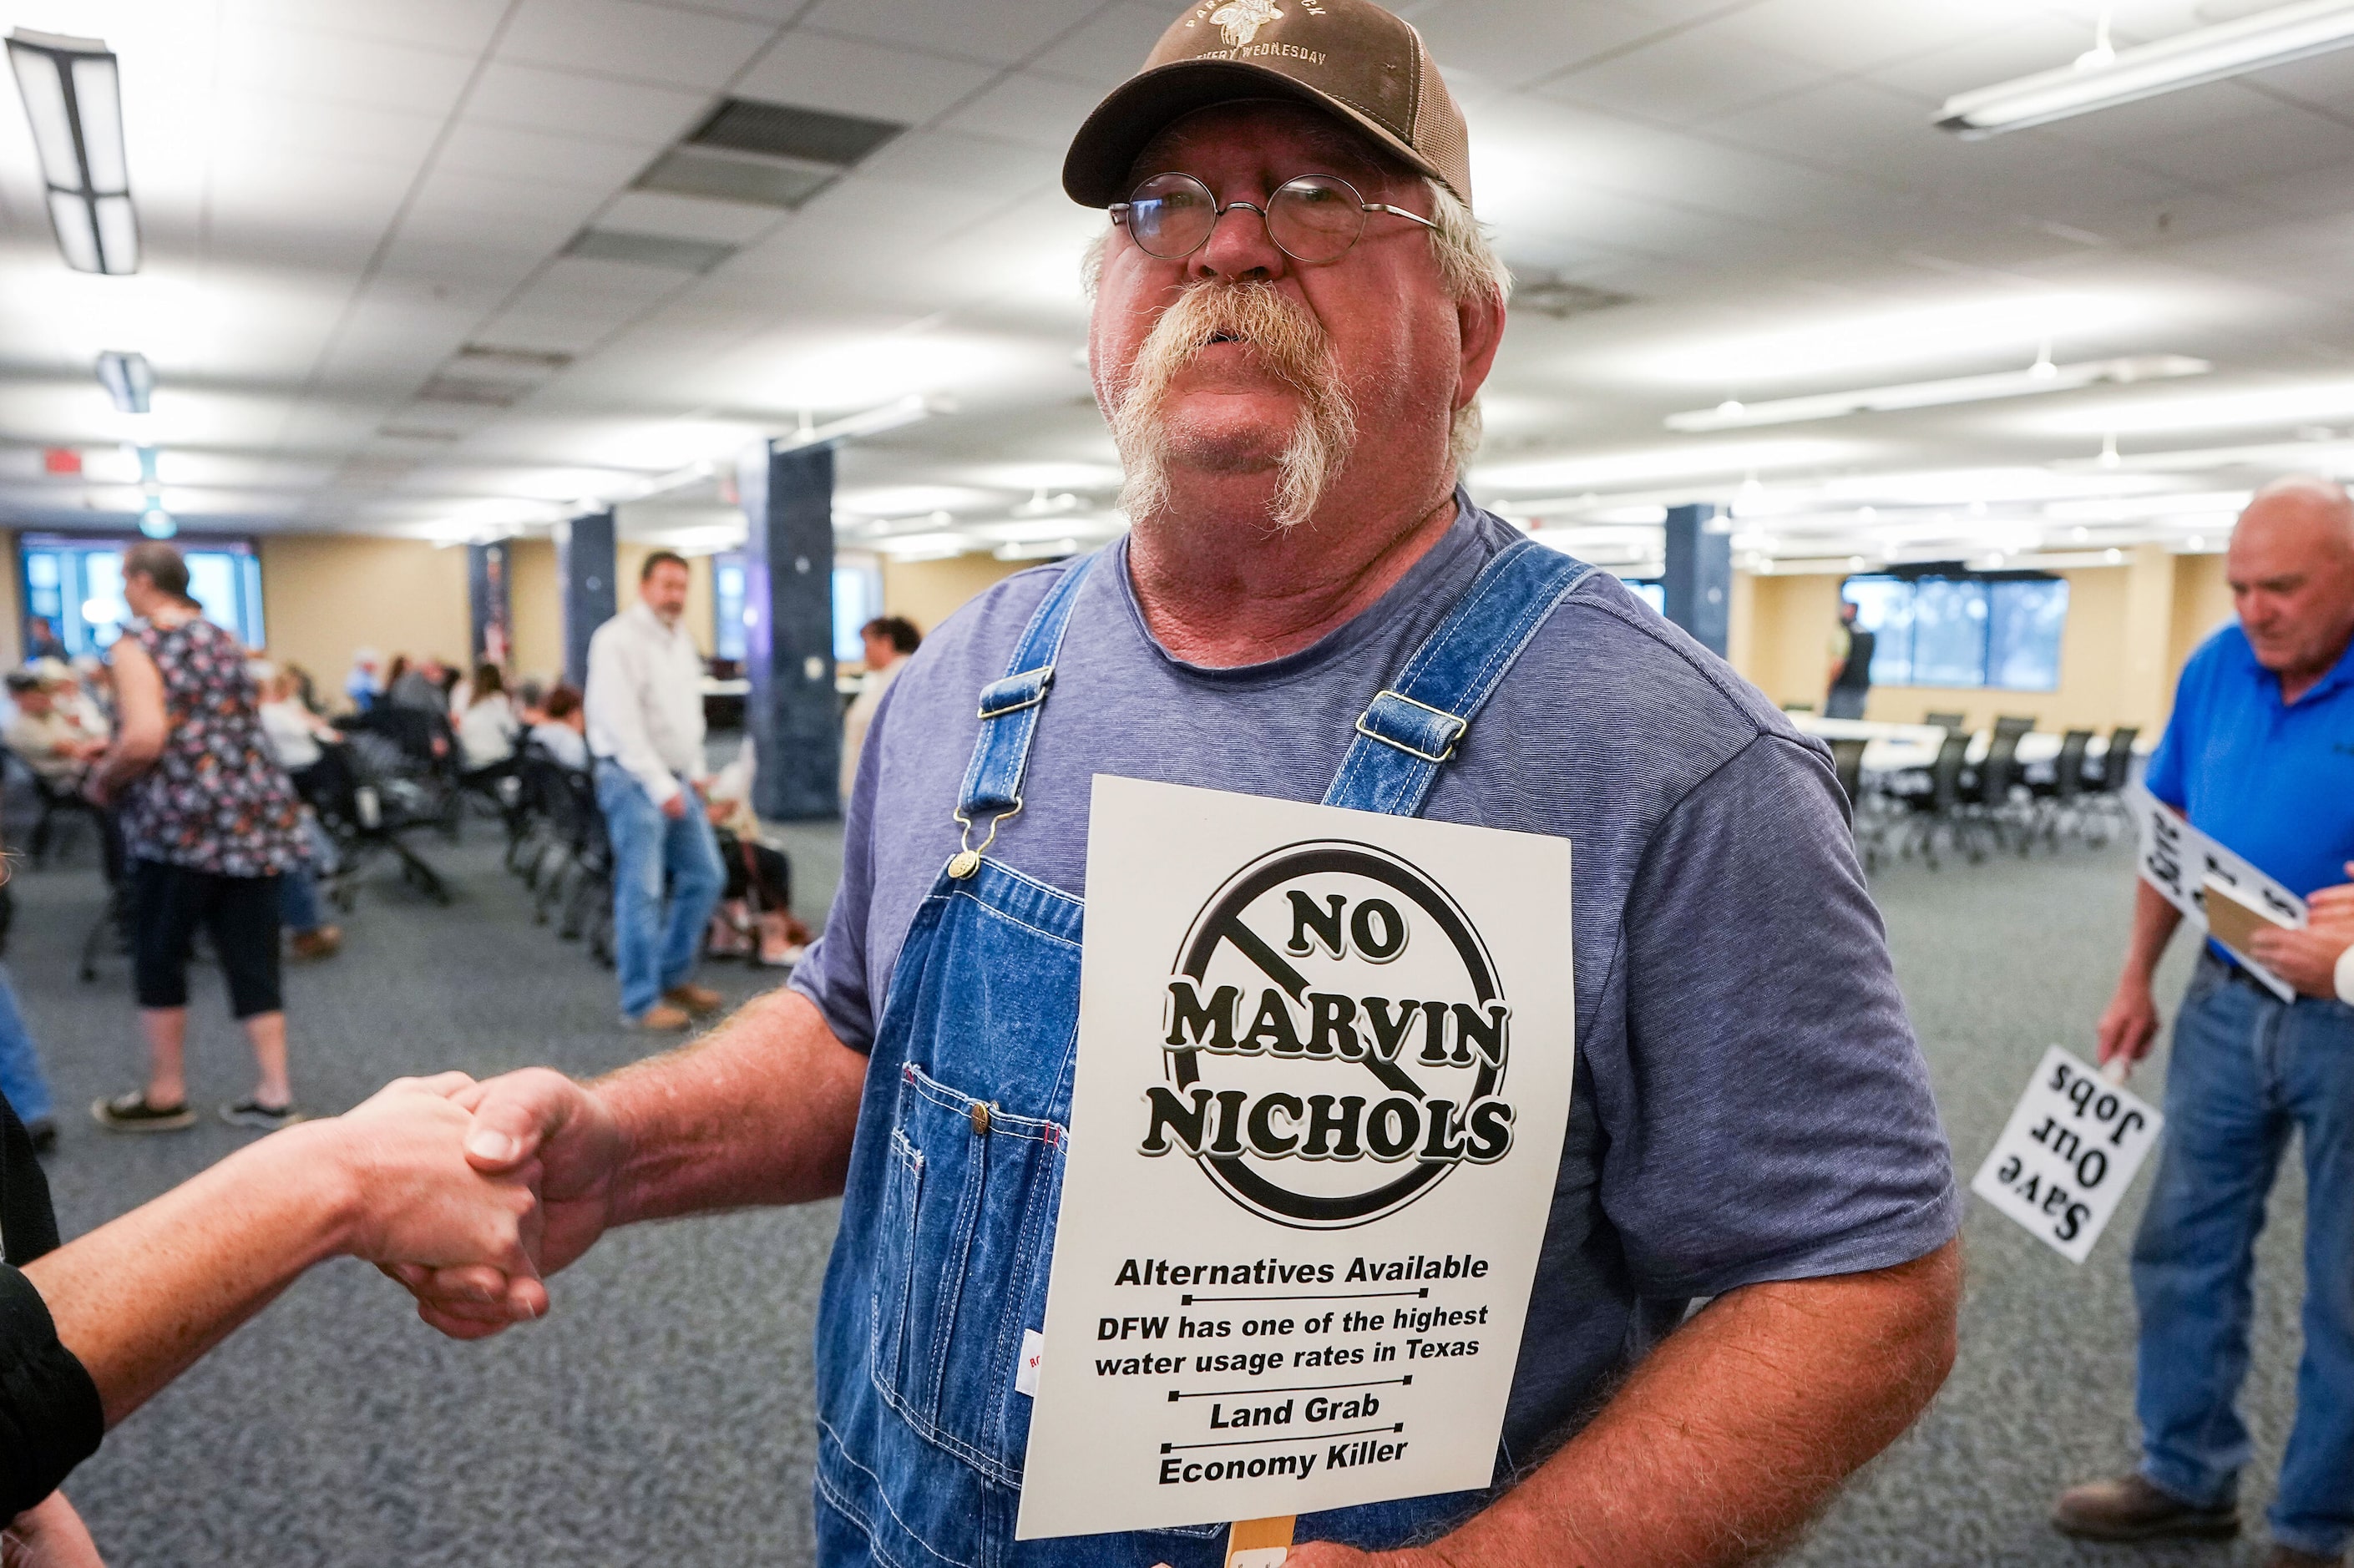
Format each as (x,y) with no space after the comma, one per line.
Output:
(75,582)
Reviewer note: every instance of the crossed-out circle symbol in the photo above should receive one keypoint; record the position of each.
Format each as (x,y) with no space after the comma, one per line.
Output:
(1221,928)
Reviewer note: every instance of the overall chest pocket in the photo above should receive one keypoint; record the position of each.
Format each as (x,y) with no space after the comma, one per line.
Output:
(962,1241)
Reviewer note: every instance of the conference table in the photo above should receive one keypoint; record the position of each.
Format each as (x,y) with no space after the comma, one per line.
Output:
(1900,747)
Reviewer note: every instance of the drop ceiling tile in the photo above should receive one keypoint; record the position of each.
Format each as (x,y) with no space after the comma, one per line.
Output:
(1109,49)
(2323,82)
(1039,111)
(1857,35)
(965,163)
(513,153)
(1004,32)
(850,75)
(642,43)
(457,26)
(2024,46)
(688,217)
(537,98)
(300,62)
(2279,142)
(257,124)
(1682,81)
(1849,124)
(1516,45)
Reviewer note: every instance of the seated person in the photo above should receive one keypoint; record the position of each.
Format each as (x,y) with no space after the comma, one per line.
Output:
(758,896)
(564,733)
(293,731)
(530,705)
(90,1331)
(487,728)
(52,741)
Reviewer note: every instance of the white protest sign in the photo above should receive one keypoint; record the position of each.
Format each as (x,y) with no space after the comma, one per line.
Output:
(2178,859)
(2068,1154)
(1324,1069)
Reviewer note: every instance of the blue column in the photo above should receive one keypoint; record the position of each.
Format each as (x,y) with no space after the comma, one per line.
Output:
(794,716)
(583,582)
(489,598)
(1699,578)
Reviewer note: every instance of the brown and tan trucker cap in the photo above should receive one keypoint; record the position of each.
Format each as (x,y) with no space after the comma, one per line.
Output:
(1350,57)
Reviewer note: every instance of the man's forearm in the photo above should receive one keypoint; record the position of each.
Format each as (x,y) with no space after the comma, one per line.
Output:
(761,1111)
(1732,1435)
(2154,920)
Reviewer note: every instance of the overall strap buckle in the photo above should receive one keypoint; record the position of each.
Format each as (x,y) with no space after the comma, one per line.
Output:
(1014,692)
(1008,714)
(1416,728)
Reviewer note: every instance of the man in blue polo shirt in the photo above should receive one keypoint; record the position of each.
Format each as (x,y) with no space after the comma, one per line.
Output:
(2259,754)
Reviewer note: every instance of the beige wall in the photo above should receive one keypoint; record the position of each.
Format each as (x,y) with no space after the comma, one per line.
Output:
(929,592)
(2202,602)
(12,622)
(537,608)
(2129,629)
(324,595)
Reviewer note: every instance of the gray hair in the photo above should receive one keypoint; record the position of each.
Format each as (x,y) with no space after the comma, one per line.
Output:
(1468,269)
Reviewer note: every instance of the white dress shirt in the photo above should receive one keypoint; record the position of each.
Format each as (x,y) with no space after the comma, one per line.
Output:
(645,700)
(287,726)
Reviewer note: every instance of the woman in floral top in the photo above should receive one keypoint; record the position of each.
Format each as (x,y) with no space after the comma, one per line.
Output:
(209,824)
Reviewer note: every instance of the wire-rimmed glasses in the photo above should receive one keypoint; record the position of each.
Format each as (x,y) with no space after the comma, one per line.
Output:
(1315,217)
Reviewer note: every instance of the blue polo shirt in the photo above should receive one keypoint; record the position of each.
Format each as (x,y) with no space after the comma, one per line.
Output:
(2273,781)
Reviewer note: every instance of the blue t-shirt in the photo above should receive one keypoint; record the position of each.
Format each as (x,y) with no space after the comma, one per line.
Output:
(1750,1104)
(2271,781)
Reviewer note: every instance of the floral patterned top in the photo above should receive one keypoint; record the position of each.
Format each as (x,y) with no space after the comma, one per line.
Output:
(215,800)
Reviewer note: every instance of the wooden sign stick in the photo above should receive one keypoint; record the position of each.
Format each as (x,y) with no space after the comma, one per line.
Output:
(1259,1542)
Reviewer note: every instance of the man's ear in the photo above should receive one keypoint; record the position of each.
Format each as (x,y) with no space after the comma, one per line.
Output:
(1479,328)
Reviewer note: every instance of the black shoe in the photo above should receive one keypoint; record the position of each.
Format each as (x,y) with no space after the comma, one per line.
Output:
(253,1113)
(2131,1508)
(132,1113)
(44,1132)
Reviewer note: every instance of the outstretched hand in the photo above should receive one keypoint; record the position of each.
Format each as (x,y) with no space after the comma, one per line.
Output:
(539,1127)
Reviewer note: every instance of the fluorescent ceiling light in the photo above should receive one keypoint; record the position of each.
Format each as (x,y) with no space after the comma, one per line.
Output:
(1556,475)
(1965,330)
(128,379)
(936,546)
(2043,376)
(2298,403)
(891,416)
(73,97)
(2207,54)
(2335,459)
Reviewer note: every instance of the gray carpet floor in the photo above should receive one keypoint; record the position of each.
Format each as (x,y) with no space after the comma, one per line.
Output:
(663,1414)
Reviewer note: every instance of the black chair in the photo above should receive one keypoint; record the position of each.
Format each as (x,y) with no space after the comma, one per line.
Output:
(369,813)
(428,756)
(577,887)
(2013,725)
(1938,809)
(1990,802)
(56,802)
(1846,763)
(2056,798)
(2105,802)
(1949,723)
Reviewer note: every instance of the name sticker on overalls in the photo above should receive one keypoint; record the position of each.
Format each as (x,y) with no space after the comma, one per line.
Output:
(1323,1078)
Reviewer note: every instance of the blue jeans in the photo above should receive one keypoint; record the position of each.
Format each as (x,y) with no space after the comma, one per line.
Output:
(298,890)
(1845,702)
(655,949)
(2248,1070)
(21,1065)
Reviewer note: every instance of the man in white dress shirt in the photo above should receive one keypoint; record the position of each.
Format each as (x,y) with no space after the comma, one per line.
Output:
(645,729)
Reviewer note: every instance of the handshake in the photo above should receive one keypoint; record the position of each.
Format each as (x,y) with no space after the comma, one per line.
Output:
(466,1193)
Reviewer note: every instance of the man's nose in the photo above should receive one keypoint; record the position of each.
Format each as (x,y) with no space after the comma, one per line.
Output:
(1239,250)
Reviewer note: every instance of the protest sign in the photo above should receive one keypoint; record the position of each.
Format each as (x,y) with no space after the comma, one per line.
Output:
(1323,1077)
(2179,860)
(2068,1153)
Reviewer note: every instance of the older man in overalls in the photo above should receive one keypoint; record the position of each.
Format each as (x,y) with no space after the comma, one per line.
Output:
(1294,311)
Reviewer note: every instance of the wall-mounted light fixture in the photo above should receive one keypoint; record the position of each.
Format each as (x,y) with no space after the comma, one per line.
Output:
(73,97)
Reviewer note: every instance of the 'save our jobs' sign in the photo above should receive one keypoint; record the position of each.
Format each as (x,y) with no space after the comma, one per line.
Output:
(1323,1077)
(2068,1153)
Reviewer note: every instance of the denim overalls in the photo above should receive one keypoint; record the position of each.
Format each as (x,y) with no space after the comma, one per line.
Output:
(948,1221)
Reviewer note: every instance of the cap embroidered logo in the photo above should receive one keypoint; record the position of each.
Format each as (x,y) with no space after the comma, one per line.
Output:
(1242,19)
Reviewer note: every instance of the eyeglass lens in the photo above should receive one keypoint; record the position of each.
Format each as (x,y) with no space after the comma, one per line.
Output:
(1316,218)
